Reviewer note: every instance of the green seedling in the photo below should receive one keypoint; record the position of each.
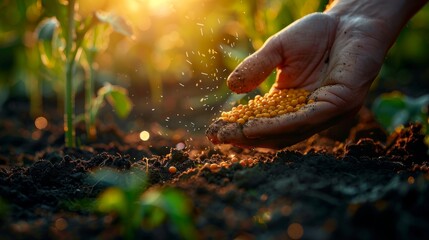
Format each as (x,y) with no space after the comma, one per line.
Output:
(64,36)
(116,96)
(395,109)
(19,59)
(135,208)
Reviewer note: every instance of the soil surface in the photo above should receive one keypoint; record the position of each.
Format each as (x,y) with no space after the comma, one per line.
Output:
(349,182)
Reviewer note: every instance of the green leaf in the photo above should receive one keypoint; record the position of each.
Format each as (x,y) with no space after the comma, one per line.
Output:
(120,101)
(117,97)
(46,29)
(116,22)
(153,216)
(112,200)
(176,206)
(395,109)
(386,106)
(96,40)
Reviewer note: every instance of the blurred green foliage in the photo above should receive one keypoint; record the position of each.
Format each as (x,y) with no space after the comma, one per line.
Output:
(135,207)
(396,109)
(406,66)
(194,43)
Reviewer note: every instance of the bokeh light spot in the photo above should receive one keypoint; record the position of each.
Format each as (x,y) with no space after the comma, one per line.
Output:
(180,146)
(41,123)
(144,135)
(295,231)
(61,224)
(411,180)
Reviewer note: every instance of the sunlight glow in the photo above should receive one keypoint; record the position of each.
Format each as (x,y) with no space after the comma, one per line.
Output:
(161,7)
(144,135)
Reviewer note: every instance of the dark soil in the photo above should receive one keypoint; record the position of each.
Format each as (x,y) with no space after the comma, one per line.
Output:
(350,182)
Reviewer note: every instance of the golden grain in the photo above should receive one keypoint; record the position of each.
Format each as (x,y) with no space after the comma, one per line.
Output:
(268,106)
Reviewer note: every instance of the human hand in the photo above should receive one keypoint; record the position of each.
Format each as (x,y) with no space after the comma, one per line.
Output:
(336,58)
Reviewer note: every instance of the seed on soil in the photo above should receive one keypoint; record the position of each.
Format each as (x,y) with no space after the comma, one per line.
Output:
(234,160)
(224,164)
(268,106)
(243,163)
(172,169)
(214,167)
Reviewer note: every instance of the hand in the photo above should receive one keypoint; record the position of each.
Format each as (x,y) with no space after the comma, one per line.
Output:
(336,58)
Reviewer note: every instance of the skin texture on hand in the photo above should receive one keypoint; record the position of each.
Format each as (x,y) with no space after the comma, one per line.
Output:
(335,55)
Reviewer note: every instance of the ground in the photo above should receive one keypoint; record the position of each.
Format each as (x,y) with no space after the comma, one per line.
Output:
(350,182)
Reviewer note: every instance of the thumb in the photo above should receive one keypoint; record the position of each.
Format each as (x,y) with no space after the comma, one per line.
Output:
(257,67)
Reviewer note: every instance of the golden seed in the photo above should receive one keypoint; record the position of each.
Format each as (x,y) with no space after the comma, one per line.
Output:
(172,169)
(270,105)
(214,167)
(232,119)
(243,163)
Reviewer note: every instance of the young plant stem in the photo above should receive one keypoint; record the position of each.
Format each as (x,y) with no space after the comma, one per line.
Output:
(69,96)
(89,96)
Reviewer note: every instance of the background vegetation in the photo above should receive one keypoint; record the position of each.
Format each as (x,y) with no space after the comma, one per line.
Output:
(176,62)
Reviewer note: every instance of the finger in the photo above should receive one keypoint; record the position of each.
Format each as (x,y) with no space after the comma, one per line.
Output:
(225,132)
(213,130)
(231,133)
(257,67)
